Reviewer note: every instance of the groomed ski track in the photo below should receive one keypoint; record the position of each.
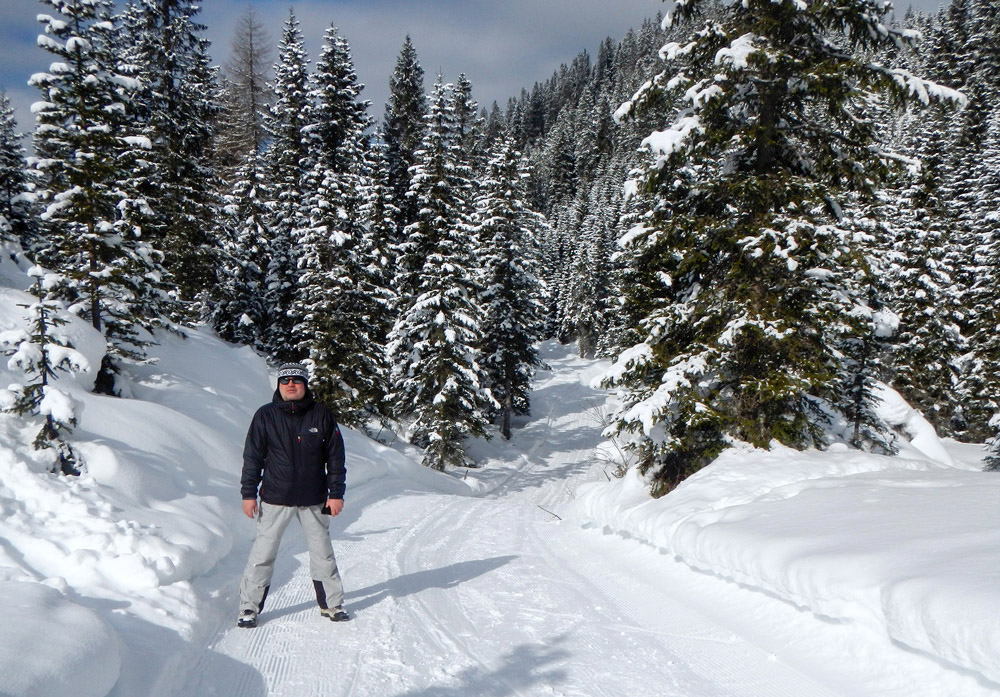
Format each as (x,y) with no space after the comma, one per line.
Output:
(459,596)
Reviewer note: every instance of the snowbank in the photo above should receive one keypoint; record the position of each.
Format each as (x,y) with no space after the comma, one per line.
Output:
(907,546)
(51,646)
(86,560)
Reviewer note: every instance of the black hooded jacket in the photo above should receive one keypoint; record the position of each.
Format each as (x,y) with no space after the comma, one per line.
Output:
(294,454)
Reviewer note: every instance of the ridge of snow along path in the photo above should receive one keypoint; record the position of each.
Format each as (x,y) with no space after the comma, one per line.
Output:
(492,594)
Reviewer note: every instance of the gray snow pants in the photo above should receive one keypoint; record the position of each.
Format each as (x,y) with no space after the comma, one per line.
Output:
(271,523)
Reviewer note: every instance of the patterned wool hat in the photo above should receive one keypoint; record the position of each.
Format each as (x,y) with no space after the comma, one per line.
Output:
(293,370)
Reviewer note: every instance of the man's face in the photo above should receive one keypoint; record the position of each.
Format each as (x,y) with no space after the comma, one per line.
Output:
(292,389)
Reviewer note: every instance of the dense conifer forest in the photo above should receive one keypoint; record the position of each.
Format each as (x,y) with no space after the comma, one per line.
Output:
(758,211)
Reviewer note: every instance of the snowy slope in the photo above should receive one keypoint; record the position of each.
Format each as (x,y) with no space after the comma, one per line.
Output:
(769,573)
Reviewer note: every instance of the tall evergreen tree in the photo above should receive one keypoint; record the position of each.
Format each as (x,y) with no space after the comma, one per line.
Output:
(744,249)
(342,299)
(924,256)
(178,114)
(404,129)
(83,164)
(512,292)
(437,381)
(17,221)
(240,311)
(287,166)
(468,124)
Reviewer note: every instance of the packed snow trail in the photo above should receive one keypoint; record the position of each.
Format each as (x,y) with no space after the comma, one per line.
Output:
(453,596)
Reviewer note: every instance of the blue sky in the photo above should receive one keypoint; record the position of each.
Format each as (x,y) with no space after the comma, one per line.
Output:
(501,45)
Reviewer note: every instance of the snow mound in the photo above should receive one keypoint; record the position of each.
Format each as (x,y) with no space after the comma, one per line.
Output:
(904,546)
(51,646)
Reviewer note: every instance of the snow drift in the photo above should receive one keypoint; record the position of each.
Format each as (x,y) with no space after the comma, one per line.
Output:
(905,546)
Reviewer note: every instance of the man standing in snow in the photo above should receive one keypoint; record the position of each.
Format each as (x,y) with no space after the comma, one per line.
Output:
(294,455)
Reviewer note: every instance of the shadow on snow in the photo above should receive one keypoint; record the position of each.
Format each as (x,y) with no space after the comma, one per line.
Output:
(408,584)
(521,668)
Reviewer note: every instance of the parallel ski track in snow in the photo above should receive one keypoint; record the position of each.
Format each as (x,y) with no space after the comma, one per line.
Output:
(460,597)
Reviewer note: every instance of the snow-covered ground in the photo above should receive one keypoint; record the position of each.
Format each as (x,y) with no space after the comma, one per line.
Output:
(766,574)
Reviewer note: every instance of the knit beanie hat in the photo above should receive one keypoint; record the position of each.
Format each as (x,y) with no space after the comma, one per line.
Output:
(293,370)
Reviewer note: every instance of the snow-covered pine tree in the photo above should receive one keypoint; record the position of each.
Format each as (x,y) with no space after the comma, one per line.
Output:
(557,255)
(240,311)
(586,302)
(379,214)
(975,200)
(404,129)
(981,385)
(84,164)
(494,128)
(559,162)
(288,163)
(512,292)
(922,260)
(468,124)
(17,223)
(750,276)
(39,351)
(437,381)
(862,335)
(342,301)
(179,105)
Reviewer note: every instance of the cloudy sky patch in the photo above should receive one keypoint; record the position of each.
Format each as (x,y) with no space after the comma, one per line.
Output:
(501,45)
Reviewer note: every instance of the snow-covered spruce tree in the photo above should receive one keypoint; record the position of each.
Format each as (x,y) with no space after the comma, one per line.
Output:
(746,274)
(39,351)
(512,292)
(586,303)
(379,213)
(240,312)
(921,272)
(558,253)
(84,163)
(179,104)
(404,129)
(437,381)
(978,184)
(14,210)
(981,384)
(342,302)
(288,163)
(468,124)
(861,337)
(494,128)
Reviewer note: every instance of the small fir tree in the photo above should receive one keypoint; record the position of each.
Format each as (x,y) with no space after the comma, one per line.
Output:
(40,352)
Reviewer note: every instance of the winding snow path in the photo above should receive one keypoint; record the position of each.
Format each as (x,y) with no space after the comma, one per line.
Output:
(458,596)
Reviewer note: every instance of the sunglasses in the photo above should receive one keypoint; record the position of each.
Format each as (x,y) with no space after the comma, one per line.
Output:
(297,381)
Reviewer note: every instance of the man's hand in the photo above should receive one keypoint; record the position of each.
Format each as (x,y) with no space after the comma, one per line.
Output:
(250,507)
(335,505)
